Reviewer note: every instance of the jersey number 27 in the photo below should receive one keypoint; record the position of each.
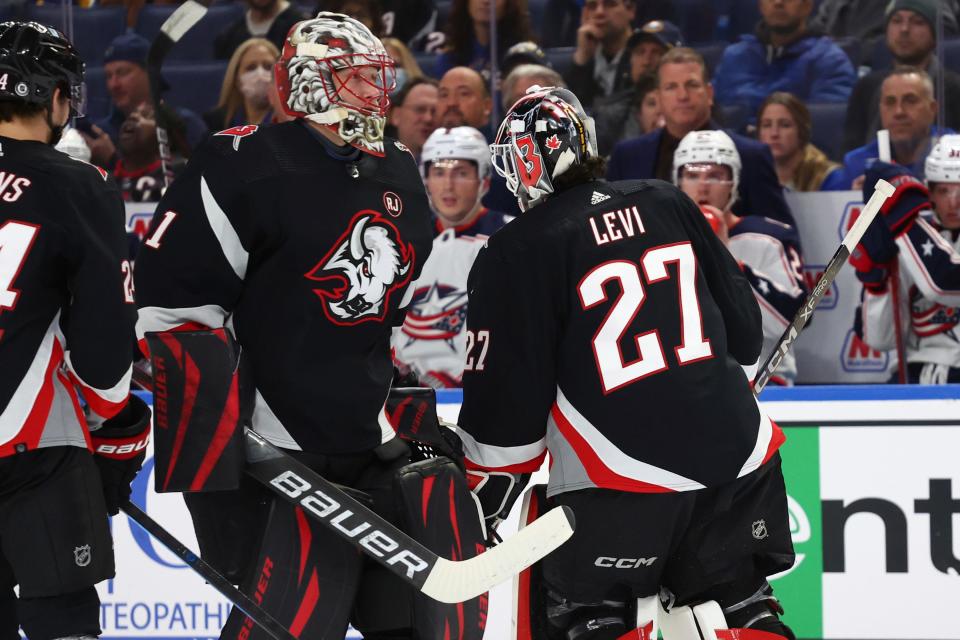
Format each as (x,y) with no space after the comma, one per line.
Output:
(614,371)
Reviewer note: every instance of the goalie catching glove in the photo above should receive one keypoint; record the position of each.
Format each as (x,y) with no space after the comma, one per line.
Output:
(119,447)
(878,248)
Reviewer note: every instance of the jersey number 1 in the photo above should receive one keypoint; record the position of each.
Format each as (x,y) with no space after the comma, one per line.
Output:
(614,372)
(16,238)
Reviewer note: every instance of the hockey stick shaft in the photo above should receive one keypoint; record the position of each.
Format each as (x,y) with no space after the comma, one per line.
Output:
(208,573)
(882,191)
(180,21)
(441,579)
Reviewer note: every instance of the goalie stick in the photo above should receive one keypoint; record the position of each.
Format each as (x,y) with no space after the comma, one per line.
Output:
(173,28)
(441,579)
(208,573)
(882,191)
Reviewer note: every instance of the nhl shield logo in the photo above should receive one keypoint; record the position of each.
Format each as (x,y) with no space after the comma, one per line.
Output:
(392,203)
(760,530)
(81,555)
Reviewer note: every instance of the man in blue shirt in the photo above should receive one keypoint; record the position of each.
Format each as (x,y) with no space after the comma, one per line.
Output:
(784,55)
(686,99)
(908,111)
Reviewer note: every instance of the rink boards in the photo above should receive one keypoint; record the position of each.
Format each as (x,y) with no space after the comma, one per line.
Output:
(873,475)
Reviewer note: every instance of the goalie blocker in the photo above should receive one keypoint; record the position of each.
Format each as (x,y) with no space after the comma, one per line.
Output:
(298,569)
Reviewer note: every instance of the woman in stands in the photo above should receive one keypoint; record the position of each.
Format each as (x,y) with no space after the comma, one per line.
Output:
(407,67)
(784,124)
(247,84)
(468,33)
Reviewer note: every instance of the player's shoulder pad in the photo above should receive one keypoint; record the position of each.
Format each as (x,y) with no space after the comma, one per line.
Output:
(240,154)
(398,164)
(80,177)
(782,231)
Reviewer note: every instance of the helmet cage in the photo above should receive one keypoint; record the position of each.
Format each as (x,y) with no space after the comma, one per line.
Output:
(544,134)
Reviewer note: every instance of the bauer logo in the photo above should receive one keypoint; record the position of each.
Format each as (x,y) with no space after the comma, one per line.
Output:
(857,356)
(811,276)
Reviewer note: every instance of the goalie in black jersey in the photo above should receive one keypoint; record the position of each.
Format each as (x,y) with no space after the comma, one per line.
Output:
(66,331)
(295,245)
(608,326)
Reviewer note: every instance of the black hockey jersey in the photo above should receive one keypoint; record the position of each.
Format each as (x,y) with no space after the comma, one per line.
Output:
(606,326)
(307,258)
(66,297)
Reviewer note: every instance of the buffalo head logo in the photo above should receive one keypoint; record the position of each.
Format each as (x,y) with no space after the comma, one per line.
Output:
(367,263)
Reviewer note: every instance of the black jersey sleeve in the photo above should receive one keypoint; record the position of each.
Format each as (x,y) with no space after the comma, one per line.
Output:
(193,260)
(511,350)
(729,287)
(99,323)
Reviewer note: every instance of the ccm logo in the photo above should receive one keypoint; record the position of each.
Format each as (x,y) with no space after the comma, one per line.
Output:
(624,563)
(323,506)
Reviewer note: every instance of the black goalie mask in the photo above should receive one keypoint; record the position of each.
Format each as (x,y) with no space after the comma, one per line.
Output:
(545,134)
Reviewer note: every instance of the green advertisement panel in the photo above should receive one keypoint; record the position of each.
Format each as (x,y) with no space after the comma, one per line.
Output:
(801,588)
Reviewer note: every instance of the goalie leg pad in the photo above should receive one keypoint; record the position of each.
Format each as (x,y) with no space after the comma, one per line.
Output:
(305,577)
(200,405)
(439,511)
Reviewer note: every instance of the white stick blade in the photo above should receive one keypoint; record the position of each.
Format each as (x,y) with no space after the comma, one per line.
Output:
(882,191)
(453,582)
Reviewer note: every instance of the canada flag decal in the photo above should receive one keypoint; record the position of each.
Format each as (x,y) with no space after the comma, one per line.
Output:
(361,271)
(239,133)
(553,143)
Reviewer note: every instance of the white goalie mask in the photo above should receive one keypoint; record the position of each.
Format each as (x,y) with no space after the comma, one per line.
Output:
(335,72)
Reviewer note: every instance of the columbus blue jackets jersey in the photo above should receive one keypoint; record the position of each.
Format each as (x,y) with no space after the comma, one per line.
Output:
(608,326)
(433,338)
(770,253)
(929,260)
(66,297)
(308,259)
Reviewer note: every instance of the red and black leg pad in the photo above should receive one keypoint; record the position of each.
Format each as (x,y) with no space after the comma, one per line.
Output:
(438,510)
(412,412)
(200,405)
(305,577)
(528,603)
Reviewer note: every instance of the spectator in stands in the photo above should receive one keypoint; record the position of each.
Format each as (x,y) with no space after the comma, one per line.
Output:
(908,111)
(686,99)
(911,38)
(526,52)
(783,124)
(865,19)
(139,172)
(125,67)
(601,65)
(270,19)
(413,22)
(784,55)
(561,19)
(245,94)
(369,12)
(616,115)
(464,100)
(525,76)
(407,67)
(413,114)
(468,33)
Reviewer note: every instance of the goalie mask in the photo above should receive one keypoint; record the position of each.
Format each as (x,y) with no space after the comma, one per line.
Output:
(335,72)
(544,135)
